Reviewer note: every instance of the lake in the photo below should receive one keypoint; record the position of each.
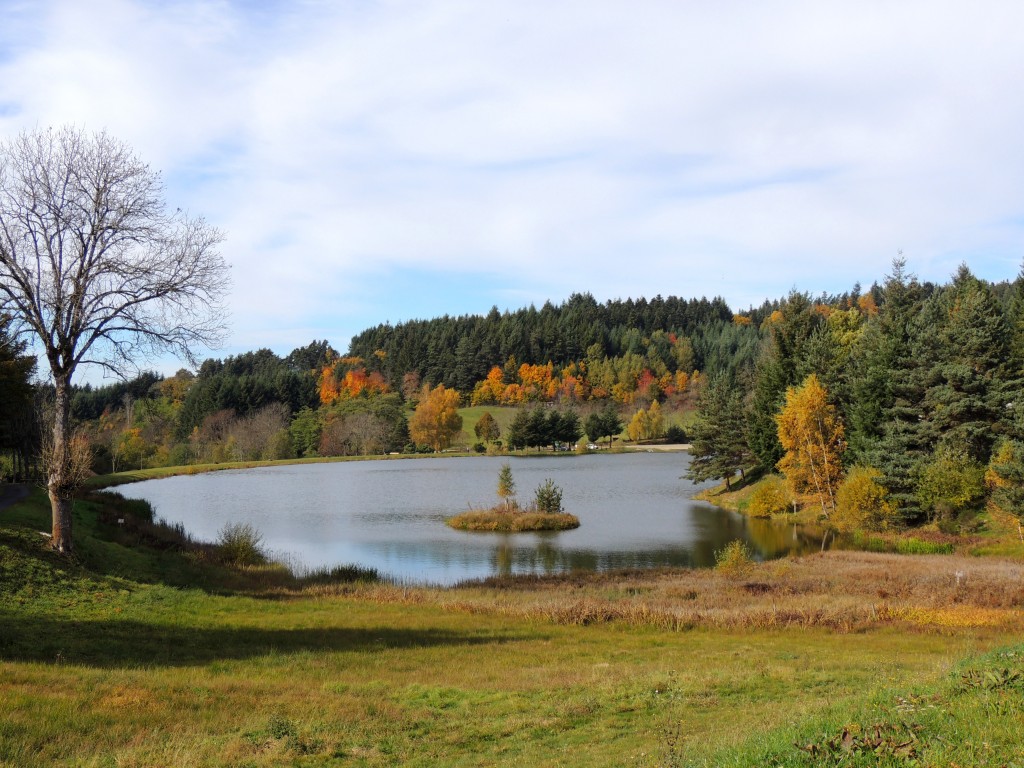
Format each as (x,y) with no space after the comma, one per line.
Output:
(635,510)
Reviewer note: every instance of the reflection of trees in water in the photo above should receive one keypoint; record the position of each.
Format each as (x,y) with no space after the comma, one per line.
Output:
(776,539)
(480,554)
(546,558)
(768,539)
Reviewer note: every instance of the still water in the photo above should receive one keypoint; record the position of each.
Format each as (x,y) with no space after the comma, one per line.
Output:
(635,511)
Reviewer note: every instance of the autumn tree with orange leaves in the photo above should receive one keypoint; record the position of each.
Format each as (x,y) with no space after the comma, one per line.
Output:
(812,437)
(347,377)
(436,420)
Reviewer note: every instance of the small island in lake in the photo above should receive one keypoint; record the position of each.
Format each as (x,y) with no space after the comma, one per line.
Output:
(544,514)
(512,521)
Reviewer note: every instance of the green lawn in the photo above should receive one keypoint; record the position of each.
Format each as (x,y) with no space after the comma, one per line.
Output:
(470,416)
(99,670)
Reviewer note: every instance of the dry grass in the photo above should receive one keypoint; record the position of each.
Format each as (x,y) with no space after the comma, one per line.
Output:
(514,521)
(842,591)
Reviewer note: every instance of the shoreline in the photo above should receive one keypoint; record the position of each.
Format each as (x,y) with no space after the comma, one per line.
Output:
(114,479)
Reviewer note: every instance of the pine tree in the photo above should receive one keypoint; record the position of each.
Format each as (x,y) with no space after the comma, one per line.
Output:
(718,438)
(506,486)
(965,404)
(1015,362)
(1016,322)
(791,328)
(878,356)
(906,438)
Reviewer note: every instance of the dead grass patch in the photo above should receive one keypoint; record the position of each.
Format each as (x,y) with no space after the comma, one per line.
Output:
(840,590)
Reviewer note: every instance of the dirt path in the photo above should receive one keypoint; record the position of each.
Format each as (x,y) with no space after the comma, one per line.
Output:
(663,447)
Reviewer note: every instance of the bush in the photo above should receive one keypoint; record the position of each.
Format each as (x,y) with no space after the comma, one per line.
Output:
(340,574)
(861,501)
(734,558)
(769,497)
(548,498)
(675,434)
(240,544)
(949,483)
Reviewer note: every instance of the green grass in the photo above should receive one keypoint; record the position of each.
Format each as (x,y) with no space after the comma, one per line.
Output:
(117,657)
(968,716)
(502,414)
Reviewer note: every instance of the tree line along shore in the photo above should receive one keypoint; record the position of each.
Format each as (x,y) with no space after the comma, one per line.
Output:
(883,408)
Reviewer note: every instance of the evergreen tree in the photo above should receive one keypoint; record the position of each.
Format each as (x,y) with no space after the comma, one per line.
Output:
(966,402)
(506,486)
(791,328)
(19,435)
(766,401)
(719,436)
(565,427)
(538,428)
(516,436)
(1016,322)
(906,441)
(879,358)
(1015,362)
(604,423)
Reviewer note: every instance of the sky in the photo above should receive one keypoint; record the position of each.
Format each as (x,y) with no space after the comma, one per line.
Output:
(374,162)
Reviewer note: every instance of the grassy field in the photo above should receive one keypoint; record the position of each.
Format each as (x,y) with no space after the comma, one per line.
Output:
(146,656)
(470,416)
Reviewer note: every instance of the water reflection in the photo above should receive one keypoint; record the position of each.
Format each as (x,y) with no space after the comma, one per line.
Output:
(635,509)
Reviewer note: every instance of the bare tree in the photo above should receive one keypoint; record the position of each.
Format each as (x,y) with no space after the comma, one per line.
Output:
(95,268)
(254,434)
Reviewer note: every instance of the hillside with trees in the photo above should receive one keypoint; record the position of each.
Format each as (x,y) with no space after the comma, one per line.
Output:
(910,391)
(915,397)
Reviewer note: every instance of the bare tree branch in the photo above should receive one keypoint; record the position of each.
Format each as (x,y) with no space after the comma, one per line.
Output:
(94,268)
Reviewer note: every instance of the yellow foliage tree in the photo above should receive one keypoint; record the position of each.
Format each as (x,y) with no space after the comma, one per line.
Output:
(646,425)
(491,389)
(638,426)
(861,501)
(436,419)
(813,437)
(655,422)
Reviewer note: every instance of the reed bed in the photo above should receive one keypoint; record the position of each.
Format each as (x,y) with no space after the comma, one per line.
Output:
(840,590)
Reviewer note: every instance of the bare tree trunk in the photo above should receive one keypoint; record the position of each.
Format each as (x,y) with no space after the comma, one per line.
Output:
(58,484)
(826,470)
(814,473)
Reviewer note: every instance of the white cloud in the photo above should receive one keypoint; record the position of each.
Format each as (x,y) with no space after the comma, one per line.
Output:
(620,148)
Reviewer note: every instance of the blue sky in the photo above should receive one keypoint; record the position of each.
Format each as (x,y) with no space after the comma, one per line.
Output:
(382,161)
